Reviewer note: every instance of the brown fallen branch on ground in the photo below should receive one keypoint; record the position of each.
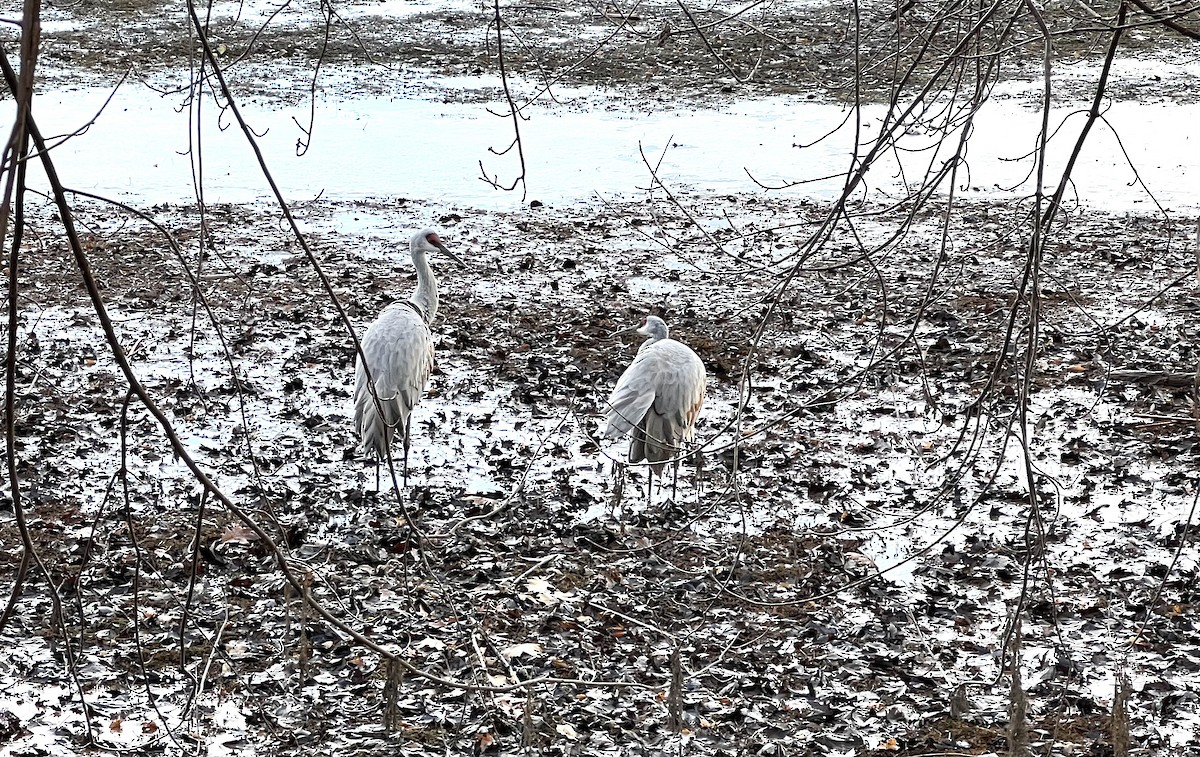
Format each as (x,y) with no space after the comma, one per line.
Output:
(1160,378)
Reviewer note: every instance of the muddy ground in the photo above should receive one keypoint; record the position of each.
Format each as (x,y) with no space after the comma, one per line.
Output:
(646,51)
(840,577)
(765,582)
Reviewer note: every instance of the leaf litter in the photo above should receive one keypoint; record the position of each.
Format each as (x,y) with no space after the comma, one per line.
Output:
(839,578)
(860,568)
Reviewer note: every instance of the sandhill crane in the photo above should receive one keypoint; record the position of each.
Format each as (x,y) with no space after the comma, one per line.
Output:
(658,398)
(398,348)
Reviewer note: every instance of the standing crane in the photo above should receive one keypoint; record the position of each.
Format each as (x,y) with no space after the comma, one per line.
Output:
(398,348)
(658,398)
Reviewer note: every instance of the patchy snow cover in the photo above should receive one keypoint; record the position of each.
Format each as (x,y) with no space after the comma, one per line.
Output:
(860,566)
(839,578)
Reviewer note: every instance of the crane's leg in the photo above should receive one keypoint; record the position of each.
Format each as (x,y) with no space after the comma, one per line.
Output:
(676,451)
(407,426)
(675,479)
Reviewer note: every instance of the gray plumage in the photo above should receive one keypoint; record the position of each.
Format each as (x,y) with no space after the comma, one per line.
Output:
(398,347)
(658,397)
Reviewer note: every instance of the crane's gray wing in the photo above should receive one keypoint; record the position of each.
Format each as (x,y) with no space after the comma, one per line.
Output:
(681,387)
(399,349)
(633,395)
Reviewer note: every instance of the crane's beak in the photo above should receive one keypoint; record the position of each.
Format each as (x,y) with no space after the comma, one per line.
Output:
(446,251)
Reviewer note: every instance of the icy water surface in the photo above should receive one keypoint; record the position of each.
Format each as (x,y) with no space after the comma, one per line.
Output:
(139,148)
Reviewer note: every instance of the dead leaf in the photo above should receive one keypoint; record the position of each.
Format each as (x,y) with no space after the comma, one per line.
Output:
(238,534)
(517,650)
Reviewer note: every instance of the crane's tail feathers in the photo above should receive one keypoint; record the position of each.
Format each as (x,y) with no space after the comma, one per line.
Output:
(637,445)
(654,441)
(376,431)
(654,437)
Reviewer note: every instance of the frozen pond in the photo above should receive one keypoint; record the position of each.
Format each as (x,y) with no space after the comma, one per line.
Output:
(369,147)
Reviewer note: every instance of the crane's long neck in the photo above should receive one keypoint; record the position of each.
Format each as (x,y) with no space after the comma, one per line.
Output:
(426,296)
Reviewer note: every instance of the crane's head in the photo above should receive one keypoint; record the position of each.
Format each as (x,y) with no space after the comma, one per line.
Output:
(428,240)
(654,327)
